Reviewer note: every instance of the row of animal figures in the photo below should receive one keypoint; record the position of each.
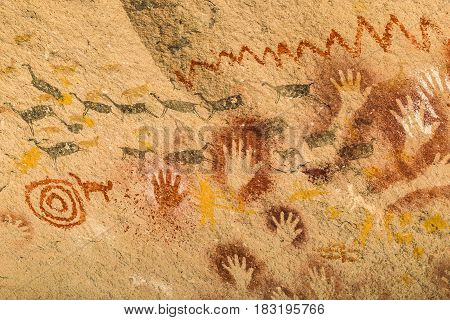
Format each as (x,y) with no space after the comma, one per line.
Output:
(232,102)
(267,128)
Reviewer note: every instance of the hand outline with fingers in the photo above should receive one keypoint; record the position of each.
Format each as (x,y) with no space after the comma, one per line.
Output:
(280,294)
(435,84)
(239,167)
(352,97)
(239,272)
(413,123)
(287,229)
(167,194)
(322,288)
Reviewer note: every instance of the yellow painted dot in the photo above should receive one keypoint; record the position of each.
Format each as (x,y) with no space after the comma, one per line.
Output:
(435,223)
(22,38)
(418,252)
(29,160)
(65,82)
(372,172)
(405,218)
(403,238)
(332,212)
(65,100)
(407,278)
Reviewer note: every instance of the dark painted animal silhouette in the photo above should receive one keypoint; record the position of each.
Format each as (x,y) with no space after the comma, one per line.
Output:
(189,156)
(94,106)
(130,109)
(72,127)
(176,105)
(227,103)
(33,114)
(271,127)
(133,152)
(43,85)
(58,150)
(294,91)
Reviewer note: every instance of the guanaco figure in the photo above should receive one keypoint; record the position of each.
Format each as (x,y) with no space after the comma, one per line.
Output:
(89,187)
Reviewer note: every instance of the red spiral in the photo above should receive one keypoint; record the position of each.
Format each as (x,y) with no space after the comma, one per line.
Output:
(55,201)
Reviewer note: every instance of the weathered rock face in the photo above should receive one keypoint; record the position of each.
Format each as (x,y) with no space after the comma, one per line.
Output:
(224,149)
(173,31)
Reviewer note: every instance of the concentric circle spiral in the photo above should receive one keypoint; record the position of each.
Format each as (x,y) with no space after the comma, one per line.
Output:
(55,201)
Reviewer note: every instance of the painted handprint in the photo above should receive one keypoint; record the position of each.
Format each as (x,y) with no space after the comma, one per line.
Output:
(239,165)
(167,194)
(322,287)
(15,231)
(435,85)
(350,92)
(237,268)
(288,227)
(418,132)
(280,294)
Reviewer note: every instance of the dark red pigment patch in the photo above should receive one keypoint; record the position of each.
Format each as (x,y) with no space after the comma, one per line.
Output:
(382,100)
(134,189)
(19,221)
(255,134)
(319,176)
(219,257)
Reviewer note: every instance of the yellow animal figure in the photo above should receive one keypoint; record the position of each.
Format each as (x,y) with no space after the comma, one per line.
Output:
(89,143)
(305,194)
(87,120)
(29,160)
(208,198)
(136,92)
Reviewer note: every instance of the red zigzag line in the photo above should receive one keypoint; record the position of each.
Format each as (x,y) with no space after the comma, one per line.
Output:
(384,41)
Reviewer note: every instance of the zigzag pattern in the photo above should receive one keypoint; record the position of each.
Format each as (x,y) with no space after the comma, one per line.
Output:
(384,41)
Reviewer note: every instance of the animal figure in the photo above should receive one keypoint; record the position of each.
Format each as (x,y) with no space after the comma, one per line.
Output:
(94,106)
(190,156)
(319,176)
(89,187)
(271,127)
(320,139)
(58,150)
(74,127)
(356,151)
(228,103)
(176,105)
(295,91)
(136,153)
(136,108)
(294,159)
(33,114)
(42,85)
